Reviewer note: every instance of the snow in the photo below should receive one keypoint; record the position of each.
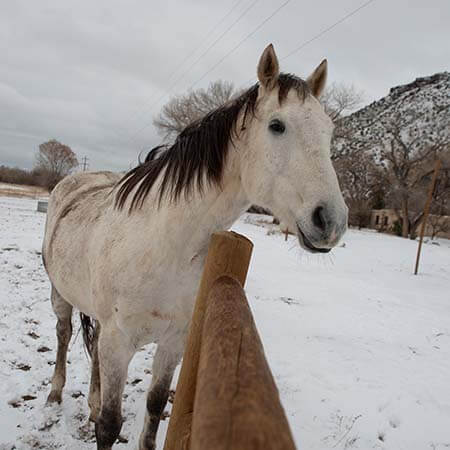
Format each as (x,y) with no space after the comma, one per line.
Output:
(358,345)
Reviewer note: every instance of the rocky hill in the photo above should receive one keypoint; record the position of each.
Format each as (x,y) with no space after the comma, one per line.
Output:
(419,112)
(385,153)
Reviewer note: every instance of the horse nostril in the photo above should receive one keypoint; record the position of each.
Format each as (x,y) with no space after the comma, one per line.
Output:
(319,219)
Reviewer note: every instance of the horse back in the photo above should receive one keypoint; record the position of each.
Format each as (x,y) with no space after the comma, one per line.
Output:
(75,206)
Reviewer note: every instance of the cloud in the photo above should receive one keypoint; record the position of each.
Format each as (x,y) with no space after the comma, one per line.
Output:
(91,74)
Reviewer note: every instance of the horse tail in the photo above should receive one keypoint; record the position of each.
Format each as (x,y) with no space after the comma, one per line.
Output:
(89,327)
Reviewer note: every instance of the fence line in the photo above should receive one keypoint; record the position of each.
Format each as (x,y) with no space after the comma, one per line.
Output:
(226,397)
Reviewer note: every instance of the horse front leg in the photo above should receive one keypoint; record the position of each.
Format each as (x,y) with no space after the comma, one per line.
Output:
(94,388)
(166,359)
(114,354)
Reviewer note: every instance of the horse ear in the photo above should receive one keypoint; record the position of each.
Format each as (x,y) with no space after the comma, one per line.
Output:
(268,68)
(316,81)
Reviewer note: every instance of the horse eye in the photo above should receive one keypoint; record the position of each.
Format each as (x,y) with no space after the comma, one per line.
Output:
(277,126)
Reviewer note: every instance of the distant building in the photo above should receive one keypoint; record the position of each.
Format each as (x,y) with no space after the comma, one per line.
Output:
(385,220)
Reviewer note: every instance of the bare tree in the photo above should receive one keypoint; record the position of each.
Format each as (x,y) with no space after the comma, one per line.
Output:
(362,186)
(439,220)
(54,161)
(438,224)
(439,199)
(407,151)
(183,110)
(340,99)
(361,179)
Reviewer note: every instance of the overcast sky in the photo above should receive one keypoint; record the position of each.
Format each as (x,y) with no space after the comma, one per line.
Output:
(94,74)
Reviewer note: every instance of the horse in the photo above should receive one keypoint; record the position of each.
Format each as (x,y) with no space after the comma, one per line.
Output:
(127,250)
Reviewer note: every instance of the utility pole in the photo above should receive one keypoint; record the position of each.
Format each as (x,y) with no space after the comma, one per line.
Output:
(84,163)
(426,211)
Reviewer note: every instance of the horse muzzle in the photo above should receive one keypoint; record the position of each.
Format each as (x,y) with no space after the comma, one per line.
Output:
(325,230)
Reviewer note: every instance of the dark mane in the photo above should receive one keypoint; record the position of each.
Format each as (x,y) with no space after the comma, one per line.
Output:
(200,151)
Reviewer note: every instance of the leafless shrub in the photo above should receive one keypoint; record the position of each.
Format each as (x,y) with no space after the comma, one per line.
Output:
(339,99)
(182,110)
(17,176)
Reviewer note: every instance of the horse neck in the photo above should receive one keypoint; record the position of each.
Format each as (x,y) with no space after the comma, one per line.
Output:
(191,222)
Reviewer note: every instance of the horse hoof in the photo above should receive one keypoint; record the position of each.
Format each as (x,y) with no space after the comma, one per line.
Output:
(147,445)
(54,397)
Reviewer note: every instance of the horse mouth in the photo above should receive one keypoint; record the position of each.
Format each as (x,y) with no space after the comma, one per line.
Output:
(306,243)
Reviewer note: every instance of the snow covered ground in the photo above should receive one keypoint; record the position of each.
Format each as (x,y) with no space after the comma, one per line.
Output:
(359,347)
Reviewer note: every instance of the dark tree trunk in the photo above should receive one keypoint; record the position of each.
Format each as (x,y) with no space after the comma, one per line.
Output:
(405,218)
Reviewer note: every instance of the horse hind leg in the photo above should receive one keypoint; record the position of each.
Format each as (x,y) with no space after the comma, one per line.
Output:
(63,312)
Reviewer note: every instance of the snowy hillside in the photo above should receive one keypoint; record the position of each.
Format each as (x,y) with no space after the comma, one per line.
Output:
(359,347)
(419,109)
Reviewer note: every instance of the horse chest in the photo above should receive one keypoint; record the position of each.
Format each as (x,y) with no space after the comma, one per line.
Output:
(164,307)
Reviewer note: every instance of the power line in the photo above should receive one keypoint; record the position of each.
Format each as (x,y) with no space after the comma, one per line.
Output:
(215,42)
(295,50)
(167,91)
(326,30)
(240,43)
(260,25)
(181,64)
(318,35)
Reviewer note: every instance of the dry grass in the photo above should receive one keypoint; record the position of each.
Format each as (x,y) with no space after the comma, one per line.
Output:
(22,190)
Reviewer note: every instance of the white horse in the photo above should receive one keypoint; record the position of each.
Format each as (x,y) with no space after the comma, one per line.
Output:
(128,252)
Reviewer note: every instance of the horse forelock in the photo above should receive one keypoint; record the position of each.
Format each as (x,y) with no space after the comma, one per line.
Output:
(200,151)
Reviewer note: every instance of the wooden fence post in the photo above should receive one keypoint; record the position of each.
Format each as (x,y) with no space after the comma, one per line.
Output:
(237,405)
(426,211)
(228,254)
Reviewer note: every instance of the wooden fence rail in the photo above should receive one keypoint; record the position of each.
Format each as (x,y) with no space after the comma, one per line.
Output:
(226,397)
